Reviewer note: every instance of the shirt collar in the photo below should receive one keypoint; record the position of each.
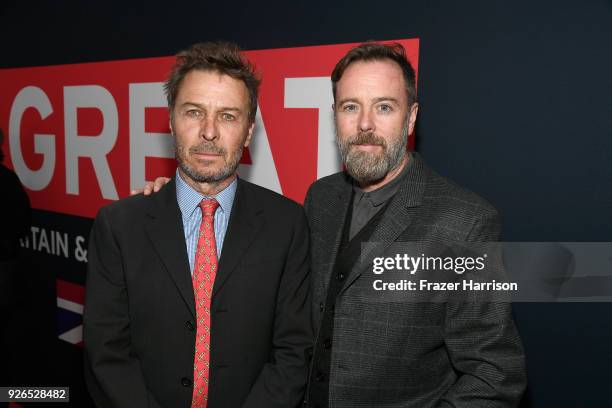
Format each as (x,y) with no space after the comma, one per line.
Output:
(383,194)
(189,199)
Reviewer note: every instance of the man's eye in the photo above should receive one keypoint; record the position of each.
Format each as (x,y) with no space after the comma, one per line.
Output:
(349,108)
(228,117)
(384,108)
(194,113)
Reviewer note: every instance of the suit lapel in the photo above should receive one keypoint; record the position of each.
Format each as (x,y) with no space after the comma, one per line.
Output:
(245,222)
(335,214)
(165,230)
(397,217)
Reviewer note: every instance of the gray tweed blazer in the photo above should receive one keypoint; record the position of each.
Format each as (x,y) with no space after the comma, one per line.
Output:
(407,354)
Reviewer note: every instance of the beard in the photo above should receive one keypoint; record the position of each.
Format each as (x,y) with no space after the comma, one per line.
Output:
(207,175)
(367,167)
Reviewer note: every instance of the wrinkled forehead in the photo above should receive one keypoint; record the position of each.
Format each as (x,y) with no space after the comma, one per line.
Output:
(206,86)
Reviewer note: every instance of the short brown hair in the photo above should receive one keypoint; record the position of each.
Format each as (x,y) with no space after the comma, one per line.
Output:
(373,51)
(222,57)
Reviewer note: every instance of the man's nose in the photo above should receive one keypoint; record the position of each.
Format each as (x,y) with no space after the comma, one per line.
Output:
(208,129)
(366,123)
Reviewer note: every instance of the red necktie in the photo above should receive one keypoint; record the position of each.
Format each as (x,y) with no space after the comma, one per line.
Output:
(204,272)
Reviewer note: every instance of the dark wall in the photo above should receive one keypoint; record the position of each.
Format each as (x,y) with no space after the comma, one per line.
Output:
(515,103)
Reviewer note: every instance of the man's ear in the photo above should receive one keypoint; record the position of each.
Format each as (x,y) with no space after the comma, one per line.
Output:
(412,116)
(247,141)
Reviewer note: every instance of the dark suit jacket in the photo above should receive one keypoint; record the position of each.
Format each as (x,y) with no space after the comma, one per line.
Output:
(16,215)
(139,318)
(391,353)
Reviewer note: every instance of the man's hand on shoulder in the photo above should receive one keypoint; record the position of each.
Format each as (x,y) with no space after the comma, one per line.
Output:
(151,187)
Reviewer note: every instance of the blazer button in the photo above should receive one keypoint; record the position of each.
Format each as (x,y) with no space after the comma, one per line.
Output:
(327,343)
(186,382)
(321,306)
(320,377)
(190,326)
(340,276)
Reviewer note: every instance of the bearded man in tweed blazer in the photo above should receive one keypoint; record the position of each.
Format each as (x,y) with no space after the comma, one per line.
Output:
(388,353)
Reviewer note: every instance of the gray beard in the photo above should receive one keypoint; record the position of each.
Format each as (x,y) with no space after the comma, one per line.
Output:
(367,168)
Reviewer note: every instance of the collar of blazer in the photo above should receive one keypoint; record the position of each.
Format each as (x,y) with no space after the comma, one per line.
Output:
(165,230)
(400,213)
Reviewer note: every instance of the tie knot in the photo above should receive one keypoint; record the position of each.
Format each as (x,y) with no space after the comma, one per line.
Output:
(209,207)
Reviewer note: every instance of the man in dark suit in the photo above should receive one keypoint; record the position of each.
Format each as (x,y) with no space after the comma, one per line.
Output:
(199,295)
(388,351)
(17,281)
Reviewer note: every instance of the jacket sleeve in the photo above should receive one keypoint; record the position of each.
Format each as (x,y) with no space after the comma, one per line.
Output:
(484,345)
(282,381)
(112,373)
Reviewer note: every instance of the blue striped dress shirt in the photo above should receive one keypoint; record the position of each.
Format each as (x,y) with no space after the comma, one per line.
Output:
(189,204)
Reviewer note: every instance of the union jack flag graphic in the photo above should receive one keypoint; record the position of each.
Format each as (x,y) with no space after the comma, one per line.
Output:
(70,300)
